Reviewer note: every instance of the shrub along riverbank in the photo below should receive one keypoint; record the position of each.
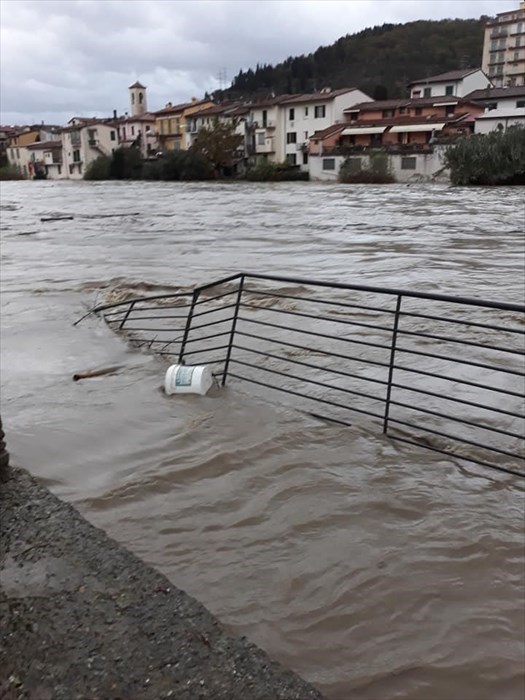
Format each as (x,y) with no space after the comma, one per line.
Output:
(126,164)
(496,158)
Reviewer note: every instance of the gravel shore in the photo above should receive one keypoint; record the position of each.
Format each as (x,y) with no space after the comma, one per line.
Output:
(82,618)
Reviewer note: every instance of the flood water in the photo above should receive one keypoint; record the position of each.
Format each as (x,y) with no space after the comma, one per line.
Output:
(375,569)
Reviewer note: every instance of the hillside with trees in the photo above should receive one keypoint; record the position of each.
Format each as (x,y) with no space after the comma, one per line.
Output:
(380,61)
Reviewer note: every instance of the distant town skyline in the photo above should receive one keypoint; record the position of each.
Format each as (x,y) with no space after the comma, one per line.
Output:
(60,59)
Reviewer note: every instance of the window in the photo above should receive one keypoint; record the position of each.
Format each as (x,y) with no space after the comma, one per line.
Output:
(518,41)
(408,163)
(132,98)
(427,92)
(388,113)
(264,117)
(112,135)
(493,45)
(291,137)
(59,170)
(402,110)
(328,163)
(520,104)
(416,93)
(418,110)
(177,125)
(320,112)
(291,158)
(133,131)
(516,55)
(305,158)
(450,109)
(261,138)
(305,112)
(141,98)
(18,153)
(305,135)
(291,114)
(76,156)
(492,105)
(449,90)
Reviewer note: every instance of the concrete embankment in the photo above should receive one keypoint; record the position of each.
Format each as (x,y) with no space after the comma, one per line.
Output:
(82,618)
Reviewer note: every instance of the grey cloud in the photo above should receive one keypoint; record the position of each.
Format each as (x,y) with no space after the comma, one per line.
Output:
(61,57)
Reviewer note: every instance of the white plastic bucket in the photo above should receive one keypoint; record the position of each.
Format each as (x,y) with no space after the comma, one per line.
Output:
(183,379)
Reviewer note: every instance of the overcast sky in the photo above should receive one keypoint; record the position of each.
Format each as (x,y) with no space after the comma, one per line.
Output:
(61,58)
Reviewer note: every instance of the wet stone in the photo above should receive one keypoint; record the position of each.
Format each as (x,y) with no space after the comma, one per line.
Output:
(80,617)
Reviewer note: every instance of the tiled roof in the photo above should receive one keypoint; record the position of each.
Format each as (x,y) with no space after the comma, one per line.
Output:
(37,145)
(372,105)
(443,77)
(172,109)
(496,93)
(329,131)
(317,96)
(137,85)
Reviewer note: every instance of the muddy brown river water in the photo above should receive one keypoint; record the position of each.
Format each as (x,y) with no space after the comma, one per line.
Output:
(375,569)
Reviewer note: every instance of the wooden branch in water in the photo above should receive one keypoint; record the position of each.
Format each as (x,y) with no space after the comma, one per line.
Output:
(89,374)
(57,218)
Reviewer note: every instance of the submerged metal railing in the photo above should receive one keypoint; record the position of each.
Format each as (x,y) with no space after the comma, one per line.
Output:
(442,372)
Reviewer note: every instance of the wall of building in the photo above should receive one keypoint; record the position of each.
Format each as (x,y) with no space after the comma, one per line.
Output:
(404,167)
(499,121)
(504,48)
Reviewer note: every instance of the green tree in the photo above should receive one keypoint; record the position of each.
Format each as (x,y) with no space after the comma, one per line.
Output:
(218,145)
(496,158)
(126,164)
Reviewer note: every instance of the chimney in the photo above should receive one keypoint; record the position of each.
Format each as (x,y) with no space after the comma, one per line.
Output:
(114,114)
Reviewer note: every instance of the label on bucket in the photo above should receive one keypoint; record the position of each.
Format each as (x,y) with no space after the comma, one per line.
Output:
(184,376)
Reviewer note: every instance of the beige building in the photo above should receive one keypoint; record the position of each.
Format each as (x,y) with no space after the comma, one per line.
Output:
(83,141)
(504,48)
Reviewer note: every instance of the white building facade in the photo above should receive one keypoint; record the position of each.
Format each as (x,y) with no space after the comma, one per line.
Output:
(301,116)
(83,141)
(457,83)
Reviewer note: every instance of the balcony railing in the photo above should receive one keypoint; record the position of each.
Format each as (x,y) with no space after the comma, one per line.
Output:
(434,371)
(385,148)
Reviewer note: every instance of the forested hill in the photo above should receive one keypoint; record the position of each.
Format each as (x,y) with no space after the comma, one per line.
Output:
(380,61)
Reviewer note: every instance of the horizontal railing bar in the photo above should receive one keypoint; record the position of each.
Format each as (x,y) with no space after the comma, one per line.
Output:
(454,437)
(463,322)
(328,418)
(136,300)
(471,343)
(211,323)
(206,337)
(320,301)
(176,354)
(457,380)
(317,318)
(465,402)
(306,364)
(318,335)
(304,396)
(457,456)
(207,300)
(463,421)
(387,290)
(128,329)
(150,308)
(220,282)
(214,311)
(326,353)
(460,360)
(151,318)
(201,351)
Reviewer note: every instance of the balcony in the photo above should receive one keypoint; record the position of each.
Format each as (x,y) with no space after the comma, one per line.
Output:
(266,147)
(501,34)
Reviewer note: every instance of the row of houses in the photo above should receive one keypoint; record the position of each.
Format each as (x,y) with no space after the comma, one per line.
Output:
(313,132)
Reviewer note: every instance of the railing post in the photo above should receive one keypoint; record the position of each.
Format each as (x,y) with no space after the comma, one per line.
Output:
(392,362)
(232,334)
(187,328)
(130,309)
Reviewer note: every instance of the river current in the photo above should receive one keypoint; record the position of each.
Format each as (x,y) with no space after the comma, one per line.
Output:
(374,569)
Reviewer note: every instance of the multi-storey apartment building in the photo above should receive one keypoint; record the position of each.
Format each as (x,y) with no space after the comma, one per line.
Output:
(305,114)
(504,48)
